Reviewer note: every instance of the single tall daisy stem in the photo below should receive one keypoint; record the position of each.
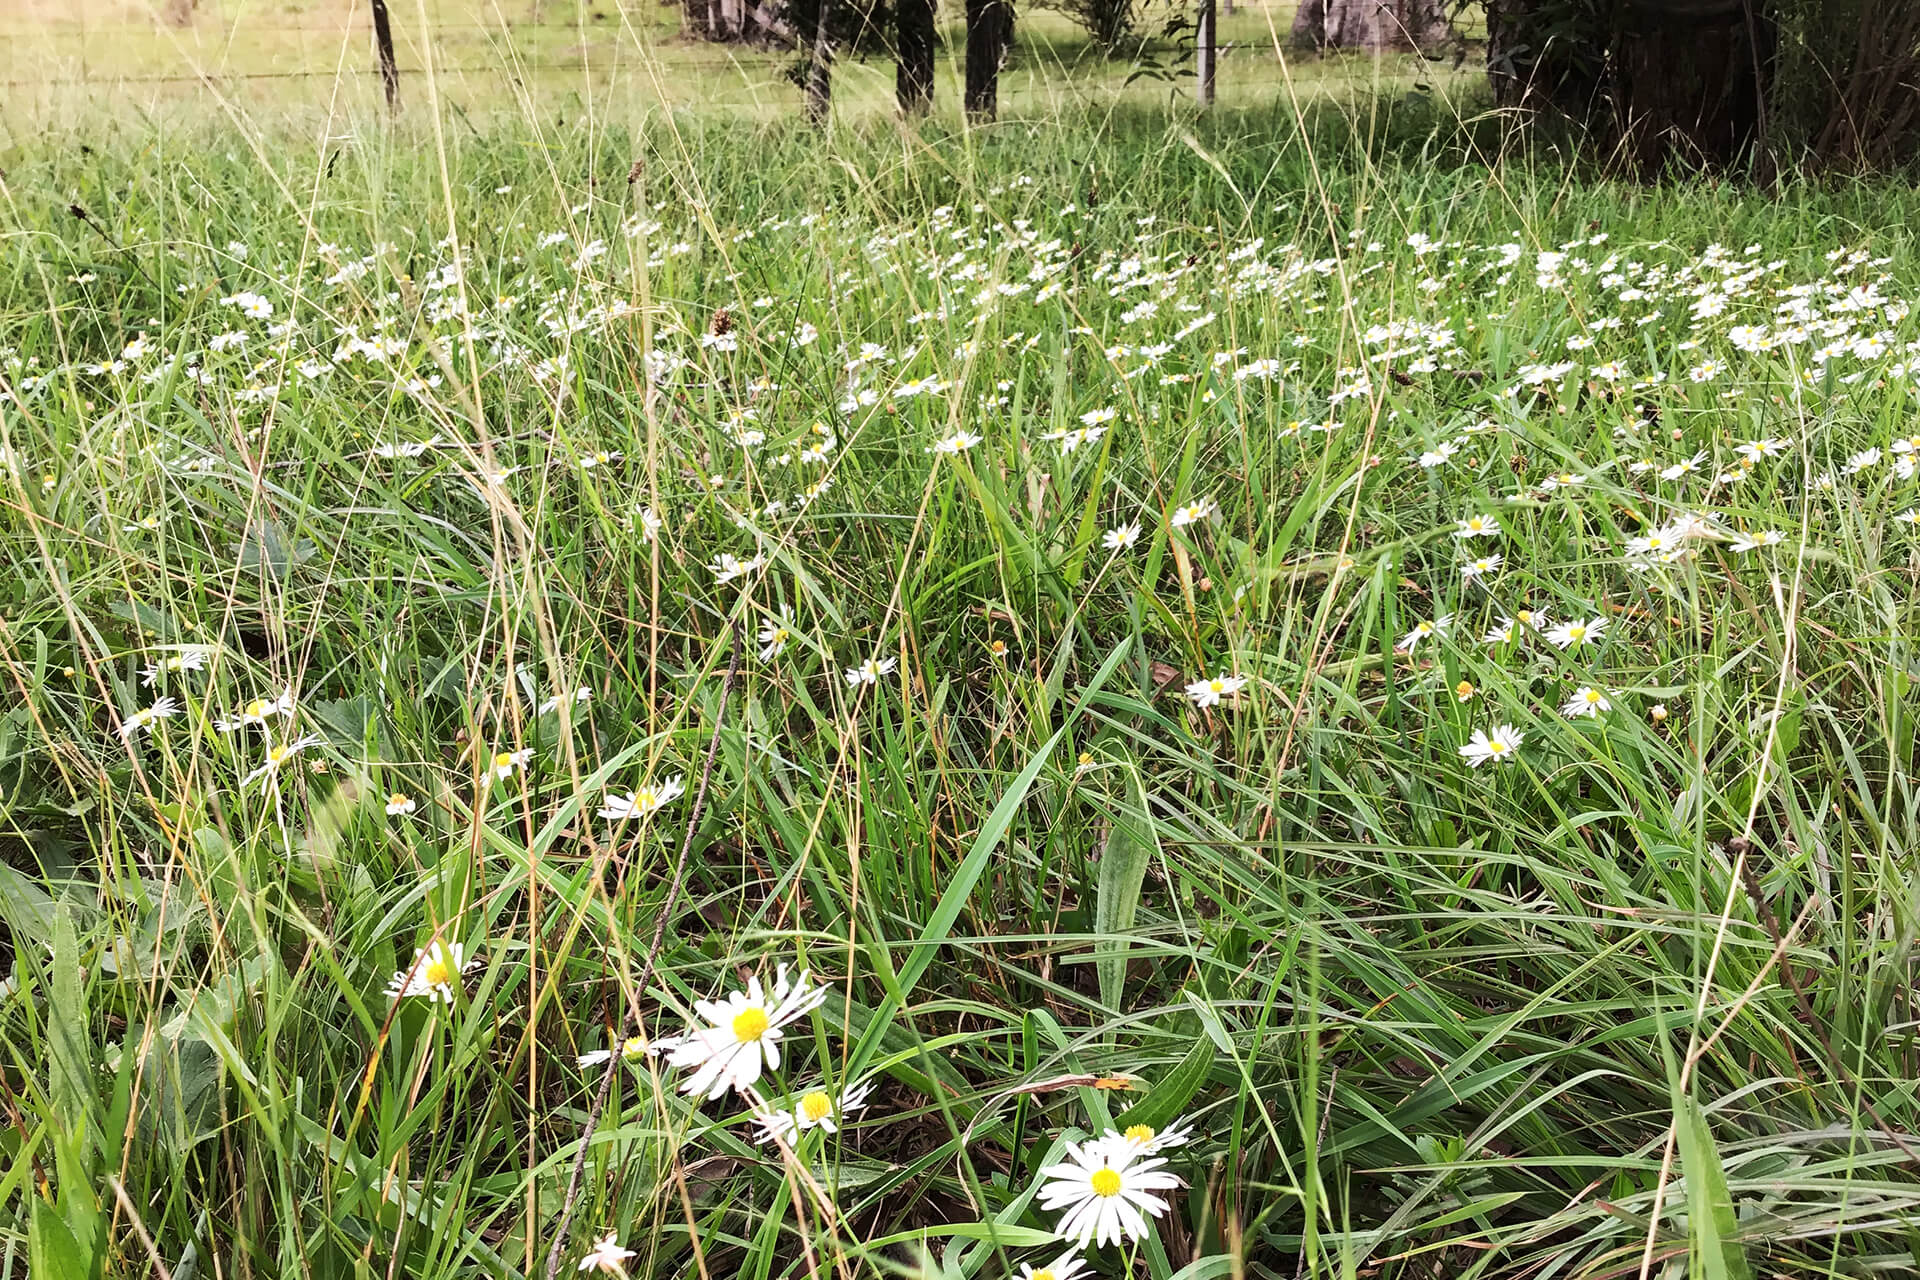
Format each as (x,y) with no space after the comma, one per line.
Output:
(653,951)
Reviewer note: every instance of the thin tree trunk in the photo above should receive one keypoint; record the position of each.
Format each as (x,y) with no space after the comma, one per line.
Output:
(697,16)
(913,77)
(820,69)
(383,42)
(1370,24)
(989,26)
(1205,52)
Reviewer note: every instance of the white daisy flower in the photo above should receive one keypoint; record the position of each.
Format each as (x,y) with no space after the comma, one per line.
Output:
(1571,635)
(606,1257)
(1483,567)
(726,566)
(1207,693)
(742,1033)
(436,967)
(645,802)
(258,711)
(277,755)
(1753,541)
(958,442)
(399,805)
(816,1108)
(1068,1266)
(1586,701)
(552,704)
(1106,1192)
(1497,744)
(1121,536)
(145,717)
(870,671)
(1423,629)
(1149,1141)
(1195,512)
(1478,526)
(775,636)
(631,1049)
(507,763)
(191,660)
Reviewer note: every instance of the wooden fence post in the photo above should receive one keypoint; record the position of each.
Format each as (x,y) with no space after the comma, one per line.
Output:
(1205,51)
(383,41)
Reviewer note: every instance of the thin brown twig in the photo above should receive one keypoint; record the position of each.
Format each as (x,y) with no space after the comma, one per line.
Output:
(653,955)
(1765,913)
(1326,1118)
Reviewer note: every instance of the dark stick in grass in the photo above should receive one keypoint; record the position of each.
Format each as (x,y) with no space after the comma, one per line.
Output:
(653,955)
(1741,849)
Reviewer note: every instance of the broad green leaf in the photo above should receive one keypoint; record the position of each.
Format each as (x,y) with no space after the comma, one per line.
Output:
(1123,867)
(1164,1102)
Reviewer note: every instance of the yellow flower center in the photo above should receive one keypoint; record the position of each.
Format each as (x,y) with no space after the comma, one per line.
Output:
(1042,1274)
(1593,695)
(1526,616)
(276,754)
(256,709)
(1218,686)
(1105,1182)
(1463,690)
(1578,633)
(643,798)
(439,972)
(1497,747)
(750,1024)
(397,798)
(1140,1133)
(1424,628)
(503,760)
(816,1106)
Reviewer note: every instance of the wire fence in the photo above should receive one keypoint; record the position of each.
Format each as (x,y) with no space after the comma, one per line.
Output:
(105,55)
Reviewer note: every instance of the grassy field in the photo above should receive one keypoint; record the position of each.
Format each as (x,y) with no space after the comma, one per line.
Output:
(1372,667)
(112,58)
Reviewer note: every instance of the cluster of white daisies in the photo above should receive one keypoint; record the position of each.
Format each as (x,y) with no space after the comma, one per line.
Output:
(1106,1189)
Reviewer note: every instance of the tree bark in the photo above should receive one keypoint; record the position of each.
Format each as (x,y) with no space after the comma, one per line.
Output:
(913,77)
(820,69)
(1689,82)
(1370,24)
(989,28)
(383,43)
(697,16)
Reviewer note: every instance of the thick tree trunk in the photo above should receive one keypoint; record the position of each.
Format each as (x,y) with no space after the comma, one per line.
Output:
(913,77)
(989,30)
(1370,24)
(1690,82)
(383,43)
